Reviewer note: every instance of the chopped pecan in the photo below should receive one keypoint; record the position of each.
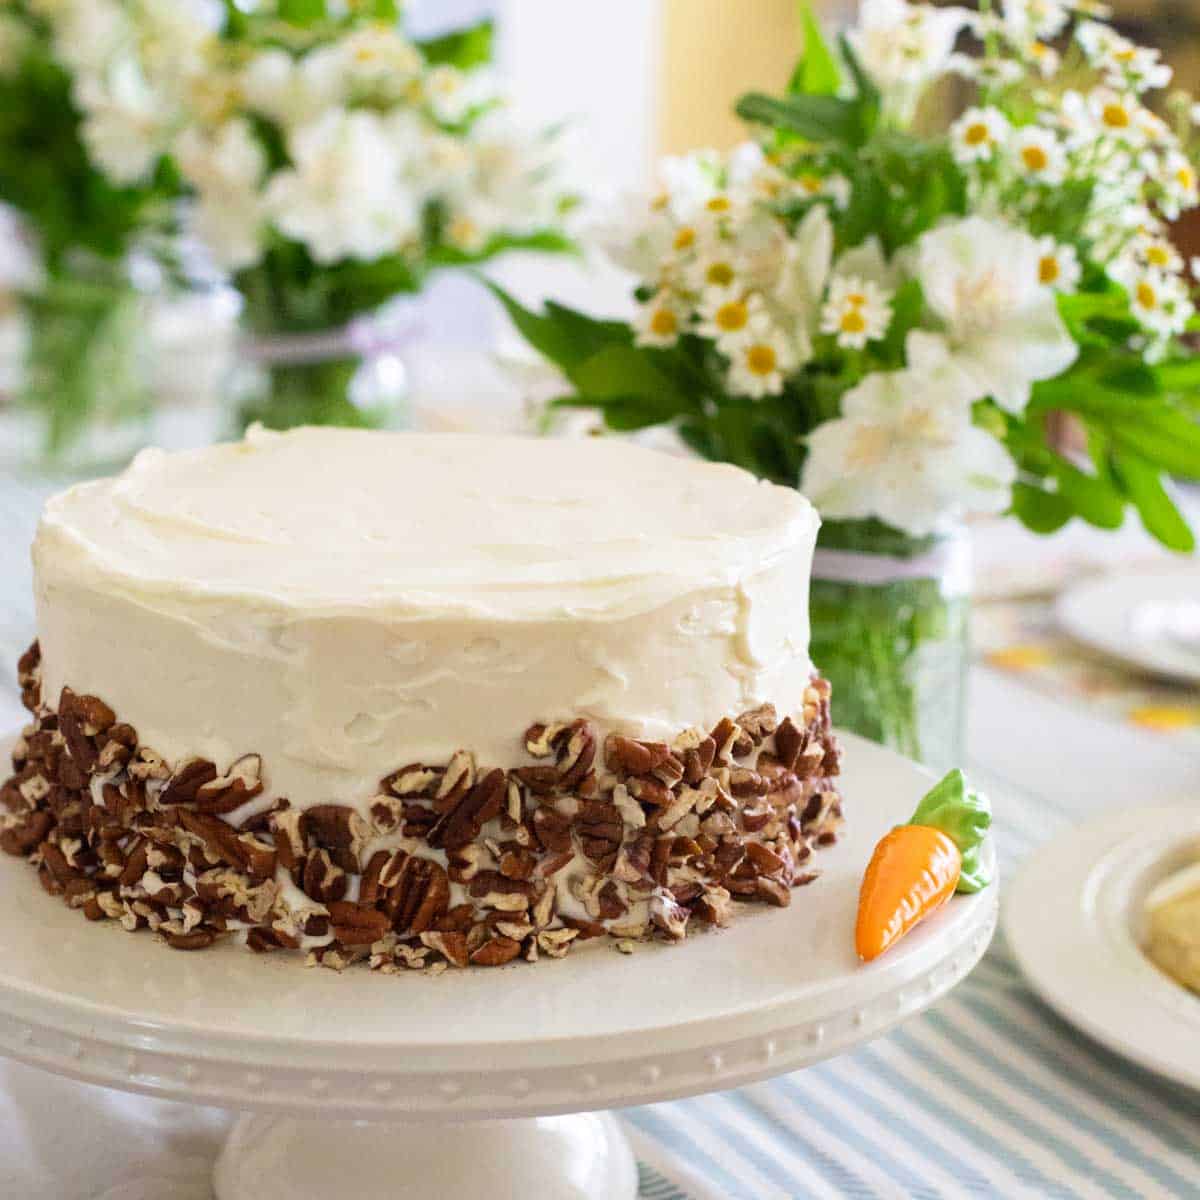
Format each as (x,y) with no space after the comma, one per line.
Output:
(323,880)
(186,782)
(626,756)
(420,896)
(356,924)
(789,742)
(451,946)
(496,952)
(552,829)
(241,782)
(29,832)
(462,824)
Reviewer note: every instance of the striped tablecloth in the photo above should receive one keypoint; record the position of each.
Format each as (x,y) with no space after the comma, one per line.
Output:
(986,1095)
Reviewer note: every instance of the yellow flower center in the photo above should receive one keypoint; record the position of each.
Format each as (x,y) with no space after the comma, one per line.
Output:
(1158,256)
(810,183)
(853,321)
(719,274)
(1115,116)
(663,323)
(1035,158)
(660,202)
(732,316)
(977,134)
(857,299)
(718,204)
(365,54)
(1126,55)
(685,238)
(1048,269)
(761,360)
(1185,178)
(1147,297)
(463,230)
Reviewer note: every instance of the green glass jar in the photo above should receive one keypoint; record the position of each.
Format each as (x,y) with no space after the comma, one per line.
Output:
(890,631)
(84,396)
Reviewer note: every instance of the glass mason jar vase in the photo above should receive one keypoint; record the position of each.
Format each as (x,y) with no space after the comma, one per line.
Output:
(352,376)
(84,393)
(890,619)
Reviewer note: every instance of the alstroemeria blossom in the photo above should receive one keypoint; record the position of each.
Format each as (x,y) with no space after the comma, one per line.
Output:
(226,168)
(905,451)
(905,46)
(980,277)
(343,197)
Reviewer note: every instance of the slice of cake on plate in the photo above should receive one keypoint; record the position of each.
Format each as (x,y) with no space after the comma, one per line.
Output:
(422,699)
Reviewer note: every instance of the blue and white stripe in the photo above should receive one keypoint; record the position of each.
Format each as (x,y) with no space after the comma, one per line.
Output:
(989,1094)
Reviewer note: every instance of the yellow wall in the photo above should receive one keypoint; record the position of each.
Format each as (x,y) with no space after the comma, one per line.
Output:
(713,50)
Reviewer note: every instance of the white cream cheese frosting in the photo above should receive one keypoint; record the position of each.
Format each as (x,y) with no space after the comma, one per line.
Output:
(344,603)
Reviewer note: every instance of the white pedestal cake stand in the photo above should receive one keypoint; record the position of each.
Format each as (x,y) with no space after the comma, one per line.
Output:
(457,1086)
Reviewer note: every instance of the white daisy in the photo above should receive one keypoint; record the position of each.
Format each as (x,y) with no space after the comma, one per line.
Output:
(659,322)
(1058,265)
(1034,18)
(833,187)
(857,311)
(1038,155)
(758,366)
(728,319)
(1045,58)
(1160,302)
(1178,179)
(977,134)
(1116,114)
(716,270)
(1156,252)
(988,73)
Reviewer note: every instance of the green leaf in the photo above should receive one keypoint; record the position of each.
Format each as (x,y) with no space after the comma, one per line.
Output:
(627,413)
(908,306)
(868,94)
(1169,439)
(965,818)
(625,371)
(1180,375)
(464,49)
(1133,377)
(1158,512)
(561,334)
(302,12)
(817,72)
(1093,498)
(1039,510)
(383,10)
(814,118)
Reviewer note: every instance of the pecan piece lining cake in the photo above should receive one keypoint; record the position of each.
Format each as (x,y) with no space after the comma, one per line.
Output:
(422,701)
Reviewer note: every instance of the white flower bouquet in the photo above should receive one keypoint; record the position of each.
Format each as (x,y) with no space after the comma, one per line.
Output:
(84,97)
(889,319)
(326,160)
(334,163)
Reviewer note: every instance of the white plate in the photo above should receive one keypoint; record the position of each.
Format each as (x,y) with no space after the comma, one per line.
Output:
(1151,619)
(1073,919)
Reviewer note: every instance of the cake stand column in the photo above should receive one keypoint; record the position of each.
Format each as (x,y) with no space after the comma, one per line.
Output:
(581,1157)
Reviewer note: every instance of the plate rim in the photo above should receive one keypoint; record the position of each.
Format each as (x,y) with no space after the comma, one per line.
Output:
(1071,616)
(1080,874)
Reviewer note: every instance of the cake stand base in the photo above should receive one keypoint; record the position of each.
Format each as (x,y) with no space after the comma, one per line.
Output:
(583,1157)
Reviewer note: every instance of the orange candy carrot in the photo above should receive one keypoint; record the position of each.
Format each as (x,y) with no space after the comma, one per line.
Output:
(913,871)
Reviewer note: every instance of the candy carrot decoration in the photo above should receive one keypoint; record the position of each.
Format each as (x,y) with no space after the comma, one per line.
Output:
(917,867)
